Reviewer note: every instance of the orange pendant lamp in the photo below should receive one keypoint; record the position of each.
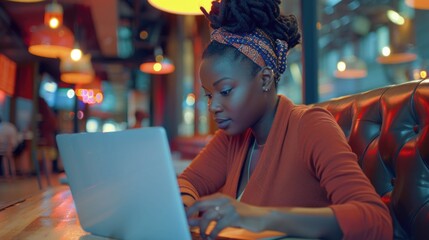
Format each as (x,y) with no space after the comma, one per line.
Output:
(400,38)
(77,71)
(418,4)
(184,7)
(52,39)
(161,65)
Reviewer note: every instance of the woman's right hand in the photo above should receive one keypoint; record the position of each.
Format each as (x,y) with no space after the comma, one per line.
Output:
(226,212)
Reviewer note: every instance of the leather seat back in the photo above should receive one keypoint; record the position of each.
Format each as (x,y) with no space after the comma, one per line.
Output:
(388,129)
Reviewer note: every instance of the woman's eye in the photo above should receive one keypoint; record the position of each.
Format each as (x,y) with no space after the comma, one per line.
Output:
(225,92)
(208,95)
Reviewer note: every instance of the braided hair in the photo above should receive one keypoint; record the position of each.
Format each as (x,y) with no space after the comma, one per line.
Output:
(244,16)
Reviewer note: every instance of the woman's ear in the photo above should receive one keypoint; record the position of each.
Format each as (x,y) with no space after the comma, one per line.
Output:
(267,75)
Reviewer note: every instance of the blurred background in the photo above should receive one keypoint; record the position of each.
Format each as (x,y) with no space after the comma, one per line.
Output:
(137,57)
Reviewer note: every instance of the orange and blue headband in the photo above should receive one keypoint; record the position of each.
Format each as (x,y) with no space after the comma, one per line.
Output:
(257,46)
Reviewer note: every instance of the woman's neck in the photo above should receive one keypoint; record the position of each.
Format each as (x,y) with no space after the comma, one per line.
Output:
(262,128)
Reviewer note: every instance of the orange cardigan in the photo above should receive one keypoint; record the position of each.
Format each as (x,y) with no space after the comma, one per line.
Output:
(306,162)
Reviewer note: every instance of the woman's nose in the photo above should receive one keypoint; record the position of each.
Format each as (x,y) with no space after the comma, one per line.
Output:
(214,105)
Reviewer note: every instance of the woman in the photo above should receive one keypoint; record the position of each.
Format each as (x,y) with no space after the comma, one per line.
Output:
(272,165)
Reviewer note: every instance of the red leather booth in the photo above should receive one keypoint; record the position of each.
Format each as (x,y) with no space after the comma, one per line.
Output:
(388,129)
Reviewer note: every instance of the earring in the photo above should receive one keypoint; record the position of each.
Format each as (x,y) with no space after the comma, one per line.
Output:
(265,89)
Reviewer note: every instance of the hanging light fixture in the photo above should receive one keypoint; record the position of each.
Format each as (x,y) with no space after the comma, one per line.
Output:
(397,57)
(351,68)
(77,72)
(26,1)
(418,4)
(184,7)
(52,39)
(161,65)
(399,49)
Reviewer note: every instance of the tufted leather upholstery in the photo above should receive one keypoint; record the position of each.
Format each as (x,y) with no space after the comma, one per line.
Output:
(388,129)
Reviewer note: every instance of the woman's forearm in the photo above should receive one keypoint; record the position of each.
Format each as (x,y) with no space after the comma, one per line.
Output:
(303,222)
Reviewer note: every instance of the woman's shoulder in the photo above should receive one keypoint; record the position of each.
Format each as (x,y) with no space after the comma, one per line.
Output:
(310,112)
(301,110)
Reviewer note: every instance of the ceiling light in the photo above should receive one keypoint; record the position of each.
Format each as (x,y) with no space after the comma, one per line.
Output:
(52,39)
(77,72)
(185,7)
(418,4)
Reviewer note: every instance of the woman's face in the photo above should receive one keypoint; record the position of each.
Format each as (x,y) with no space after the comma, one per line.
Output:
(235,97)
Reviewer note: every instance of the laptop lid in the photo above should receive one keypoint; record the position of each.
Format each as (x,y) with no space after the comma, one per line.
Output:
(123,184)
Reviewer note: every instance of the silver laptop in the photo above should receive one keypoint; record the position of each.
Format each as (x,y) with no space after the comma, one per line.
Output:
(123,184)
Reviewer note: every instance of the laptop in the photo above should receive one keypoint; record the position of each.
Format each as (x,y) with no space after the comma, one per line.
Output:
(123,184)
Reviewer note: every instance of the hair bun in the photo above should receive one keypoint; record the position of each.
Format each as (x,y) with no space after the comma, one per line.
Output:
(241,16)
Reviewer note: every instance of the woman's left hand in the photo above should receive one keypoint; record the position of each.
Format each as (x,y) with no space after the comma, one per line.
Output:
(226,212)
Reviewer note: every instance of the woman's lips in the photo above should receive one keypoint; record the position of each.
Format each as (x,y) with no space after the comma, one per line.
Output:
(223,123)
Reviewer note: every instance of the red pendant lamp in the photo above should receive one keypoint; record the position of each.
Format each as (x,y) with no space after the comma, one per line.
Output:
(52,39)
(161,65)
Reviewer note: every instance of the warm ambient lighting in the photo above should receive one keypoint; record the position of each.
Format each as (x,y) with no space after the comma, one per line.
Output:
(184,7)
(77,72)
(418,4)
(52,39)
(350,68)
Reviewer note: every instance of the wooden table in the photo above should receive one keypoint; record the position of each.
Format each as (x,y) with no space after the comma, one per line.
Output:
(48,215)
(51,214)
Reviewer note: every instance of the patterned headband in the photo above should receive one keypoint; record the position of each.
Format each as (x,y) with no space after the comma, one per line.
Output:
(257,46)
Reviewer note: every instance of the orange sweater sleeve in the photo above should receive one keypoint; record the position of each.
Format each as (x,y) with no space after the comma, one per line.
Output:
(359,210)
(207,172)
